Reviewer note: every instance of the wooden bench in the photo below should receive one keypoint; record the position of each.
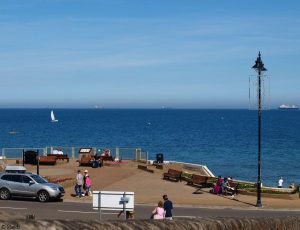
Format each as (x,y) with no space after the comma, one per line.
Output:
(85,160)
(145,168)
(173,174)
(60,156)
(47,160)
(106,158)
(198,180)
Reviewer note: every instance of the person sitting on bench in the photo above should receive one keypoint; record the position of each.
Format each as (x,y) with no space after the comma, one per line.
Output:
(55,151)
(60,152)
(105,153)
(218,187)
(226,187)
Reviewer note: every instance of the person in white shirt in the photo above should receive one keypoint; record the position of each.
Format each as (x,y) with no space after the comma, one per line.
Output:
(79,183)
(55,151)
(60,152)
(280,182)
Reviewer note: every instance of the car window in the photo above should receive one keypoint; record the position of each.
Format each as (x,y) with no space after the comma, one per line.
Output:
(26,179)
(16,178)
(38,179)
(6,177)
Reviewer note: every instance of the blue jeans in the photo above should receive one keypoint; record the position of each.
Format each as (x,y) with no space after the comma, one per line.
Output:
(87,189)
(78,190)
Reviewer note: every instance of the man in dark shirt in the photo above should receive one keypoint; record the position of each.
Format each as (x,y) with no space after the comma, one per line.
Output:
(168,206)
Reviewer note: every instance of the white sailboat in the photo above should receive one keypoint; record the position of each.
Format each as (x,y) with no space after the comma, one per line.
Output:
(53,117)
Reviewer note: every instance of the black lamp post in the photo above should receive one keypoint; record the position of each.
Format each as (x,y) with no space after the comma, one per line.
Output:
(259,68)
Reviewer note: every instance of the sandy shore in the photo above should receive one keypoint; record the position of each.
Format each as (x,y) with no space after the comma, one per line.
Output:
(149,187)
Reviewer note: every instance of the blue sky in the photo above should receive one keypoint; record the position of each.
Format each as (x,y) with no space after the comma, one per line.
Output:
(146,54)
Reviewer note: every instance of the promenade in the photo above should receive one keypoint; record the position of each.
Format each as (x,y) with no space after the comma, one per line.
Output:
(149,187)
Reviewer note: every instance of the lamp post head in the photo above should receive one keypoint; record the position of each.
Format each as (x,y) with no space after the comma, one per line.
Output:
(259,65)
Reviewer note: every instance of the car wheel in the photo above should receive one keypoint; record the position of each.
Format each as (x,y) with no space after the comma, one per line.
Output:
(4,194)
(43,196)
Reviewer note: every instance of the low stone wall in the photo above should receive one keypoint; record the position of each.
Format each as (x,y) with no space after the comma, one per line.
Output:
(285,196)
(145,168)
(287,223)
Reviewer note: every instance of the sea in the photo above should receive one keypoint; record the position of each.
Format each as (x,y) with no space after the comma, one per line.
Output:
(226,140)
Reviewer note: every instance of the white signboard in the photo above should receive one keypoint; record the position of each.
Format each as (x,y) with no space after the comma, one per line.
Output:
(113,200)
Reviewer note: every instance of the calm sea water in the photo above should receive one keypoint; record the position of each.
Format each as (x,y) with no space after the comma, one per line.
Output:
(224,140)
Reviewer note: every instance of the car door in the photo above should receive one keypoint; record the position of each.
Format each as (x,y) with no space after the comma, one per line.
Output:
(28,188)
(15,184)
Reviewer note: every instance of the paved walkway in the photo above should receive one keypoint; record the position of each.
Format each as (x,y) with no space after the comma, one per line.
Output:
(83,211)
(149,187)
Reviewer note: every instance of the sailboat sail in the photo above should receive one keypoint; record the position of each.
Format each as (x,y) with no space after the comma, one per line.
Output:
(53,117)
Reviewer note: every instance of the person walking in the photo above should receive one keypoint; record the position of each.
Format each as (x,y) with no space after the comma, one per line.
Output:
(79,183)
(168,206)
(87,183)
(159,212)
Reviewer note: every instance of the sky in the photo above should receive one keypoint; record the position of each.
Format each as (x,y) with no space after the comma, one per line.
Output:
(147,54)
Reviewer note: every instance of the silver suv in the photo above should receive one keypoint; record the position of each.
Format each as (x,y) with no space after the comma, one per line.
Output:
(28,185)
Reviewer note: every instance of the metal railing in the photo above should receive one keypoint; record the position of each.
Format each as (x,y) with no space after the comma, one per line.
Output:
(17,153)
(121,153)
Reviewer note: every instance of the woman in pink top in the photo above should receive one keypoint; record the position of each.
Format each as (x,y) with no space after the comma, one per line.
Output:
(159,212)
(87,184)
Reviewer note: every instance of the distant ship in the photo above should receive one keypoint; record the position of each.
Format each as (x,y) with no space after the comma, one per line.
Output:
(13,132)
(288,107)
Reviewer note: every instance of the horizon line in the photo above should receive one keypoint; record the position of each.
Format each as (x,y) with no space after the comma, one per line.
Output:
(138,108)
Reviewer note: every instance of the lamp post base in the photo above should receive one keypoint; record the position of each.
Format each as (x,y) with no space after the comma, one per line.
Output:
(258,204)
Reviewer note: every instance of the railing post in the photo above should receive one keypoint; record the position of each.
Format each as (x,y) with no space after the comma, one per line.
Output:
(138,154)
(73,152)
(117,153)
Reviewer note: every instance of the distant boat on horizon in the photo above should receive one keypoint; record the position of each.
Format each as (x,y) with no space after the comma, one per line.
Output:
(288,107)
(164,107)
(98,107)
(13,132)
(53,117)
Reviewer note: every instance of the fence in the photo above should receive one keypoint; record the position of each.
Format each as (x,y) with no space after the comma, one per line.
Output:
(17,153)
(137,154)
